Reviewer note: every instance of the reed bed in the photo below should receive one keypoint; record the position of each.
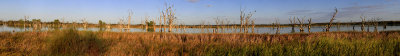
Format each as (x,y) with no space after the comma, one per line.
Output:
(89,43)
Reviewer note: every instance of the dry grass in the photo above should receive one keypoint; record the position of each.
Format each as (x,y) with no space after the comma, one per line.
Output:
(169,44)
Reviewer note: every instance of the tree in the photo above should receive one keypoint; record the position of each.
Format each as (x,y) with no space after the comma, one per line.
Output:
(362,23)
(169,15)
(56,21)
(150,23)
(292,23)
(301,24)
(129,18)
(245,19)
(101,25)
(330,22)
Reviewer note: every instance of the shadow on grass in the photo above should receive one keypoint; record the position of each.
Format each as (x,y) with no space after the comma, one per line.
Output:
(73,42)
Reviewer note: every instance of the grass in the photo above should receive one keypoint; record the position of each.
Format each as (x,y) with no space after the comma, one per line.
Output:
(71,42)
(87,43)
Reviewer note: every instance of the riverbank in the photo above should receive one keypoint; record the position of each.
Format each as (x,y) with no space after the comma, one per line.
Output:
(72,42)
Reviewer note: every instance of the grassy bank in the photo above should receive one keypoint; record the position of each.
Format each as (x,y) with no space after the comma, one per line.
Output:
(72,42)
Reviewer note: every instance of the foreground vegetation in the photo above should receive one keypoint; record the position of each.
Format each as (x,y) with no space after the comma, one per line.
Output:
(72,42)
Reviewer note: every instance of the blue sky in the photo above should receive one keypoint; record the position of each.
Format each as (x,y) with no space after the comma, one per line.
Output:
(194,11)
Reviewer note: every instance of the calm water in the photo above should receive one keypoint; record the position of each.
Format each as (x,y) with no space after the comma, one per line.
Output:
(260,30)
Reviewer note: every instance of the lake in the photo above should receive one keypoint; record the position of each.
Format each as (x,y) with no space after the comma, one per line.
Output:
(259,30)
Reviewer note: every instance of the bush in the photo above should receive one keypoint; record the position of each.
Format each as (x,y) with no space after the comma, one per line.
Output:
(72,42)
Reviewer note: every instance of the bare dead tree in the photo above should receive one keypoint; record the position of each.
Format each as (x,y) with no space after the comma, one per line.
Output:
(129,19)
(84,22)
(384,25)
(242,15)
(368,24)
(161,21)
(222,24)
(309,25)
(245,19)
(169,15)
(202,23)
(362,23)
(145,23)
(351,21)
(25,18)
(376,23)
(292,23)
(120,23)
(301,24)
(108,27)
(217,23)
(278,26)
(227,23)
(330,22)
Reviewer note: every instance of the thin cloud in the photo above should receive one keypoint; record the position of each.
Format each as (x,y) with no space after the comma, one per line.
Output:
(193,1)
(362,10)
(299,12)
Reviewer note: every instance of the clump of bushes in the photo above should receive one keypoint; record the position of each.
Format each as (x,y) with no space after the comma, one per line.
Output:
(73,42)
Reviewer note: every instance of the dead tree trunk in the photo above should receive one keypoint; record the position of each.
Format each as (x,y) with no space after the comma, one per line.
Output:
(129,19)
(375,23)
(351,21)
(301,24)
(278,26)
(146,25)
(242,15)
(25,18)
(292,23)
(330,22)
(362,23)
(120,25)
(217,24)
(169,14)
(384,25)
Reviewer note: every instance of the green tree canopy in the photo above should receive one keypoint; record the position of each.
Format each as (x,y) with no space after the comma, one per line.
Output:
(56,21)
(150,23)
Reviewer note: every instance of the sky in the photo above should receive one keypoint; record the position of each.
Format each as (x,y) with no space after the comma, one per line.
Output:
(195,11)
